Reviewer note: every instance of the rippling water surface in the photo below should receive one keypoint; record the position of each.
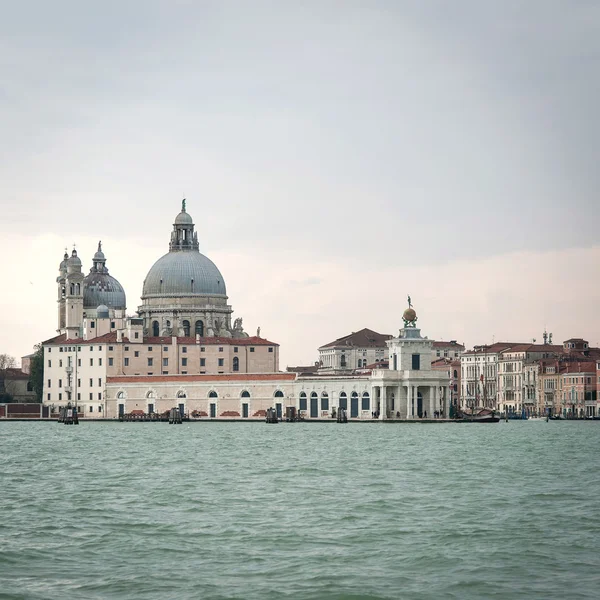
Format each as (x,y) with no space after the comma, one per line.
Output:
(250,510)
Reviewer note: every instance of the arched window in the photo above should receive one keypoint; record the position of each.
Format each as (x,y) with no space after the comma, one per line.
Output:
(150,395)
(366,404)
(455,374)
(121,396)
(181,394)
(278,394)
(324,401)
(200,328)
(302,405)
(186,328)
(168,323)
(236,363)
(155,329)
(245,394)
(213,394)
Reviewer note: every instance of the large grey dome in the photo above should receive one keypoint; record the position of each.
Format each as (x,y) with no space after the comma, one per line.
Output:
(184,274)
(101,288)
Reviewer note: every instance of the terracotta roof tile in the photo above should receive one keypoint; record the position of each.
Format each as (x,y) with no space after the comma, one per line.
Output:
(365,338)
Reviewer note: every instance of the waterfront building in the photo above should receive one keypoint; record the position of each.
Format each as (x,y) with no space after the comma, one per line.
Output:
(183,326)
(577,389)
(518,372)
(453,371)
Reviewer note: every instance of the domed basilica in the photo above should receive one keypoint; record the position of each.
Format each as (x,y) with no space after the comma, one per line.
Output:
(183,294)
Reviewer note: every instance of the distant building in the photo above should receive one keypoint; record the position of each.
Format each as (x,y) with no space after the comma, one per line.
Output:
(353,351)
(451,349)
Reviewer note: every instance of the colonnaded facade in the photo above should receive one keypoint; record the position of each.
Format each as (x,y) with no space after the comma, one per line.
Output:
(182,349)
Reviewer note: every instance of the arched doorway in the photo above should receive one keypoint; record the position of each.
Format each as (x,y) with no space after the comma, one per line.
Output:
(354,405)
(314,405)
(343,401)
(278,403)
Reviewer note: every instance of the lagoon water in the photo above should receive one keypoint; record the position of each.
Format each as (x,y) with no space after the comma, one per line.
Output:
(250,510)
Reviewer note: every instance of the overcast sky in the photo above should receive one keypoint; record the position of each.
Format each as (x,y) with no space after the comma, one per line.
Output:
(336,156)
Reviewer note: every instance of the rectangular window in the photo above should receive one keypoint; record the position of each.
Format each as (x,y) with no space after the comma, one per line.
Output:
(49,363)
(92,325)
(79,383)
(221,362)
(99,362)
(99,395)
(48,397)
(166,348)
(149,348)
(78,396)
(202,349)
(110,348)
(202,362)
(270,349)
(49,349)
(91,348)
(91,396)
(165,372)
(60,383)
(184,372)
(112,324)
(184,362)
(99,381)
(136,335)
(136,353)
(184,349)
(150,360)
(60,363)
(91,382)
(59,396)
(251,349)
(126,361)
(235,348)
(165,362)
(416,362)
(60,350)
(91,408)
(110,361)
(126,348)
(91,362)
(220,348)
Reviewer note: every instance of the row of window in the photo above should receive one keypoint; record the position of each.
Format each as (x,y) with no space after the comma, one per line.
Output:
(151,395)
(60,397)
(60,382)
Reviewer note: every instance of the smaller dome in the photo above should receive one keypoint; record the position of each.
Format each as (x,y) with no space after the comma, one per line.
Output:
(183,218)
(74,260)
(102,312)
(409,315)
(99,255)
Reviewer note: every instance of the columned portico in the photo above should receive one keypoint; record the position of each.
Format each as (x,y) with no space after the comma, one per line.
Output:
(409,376)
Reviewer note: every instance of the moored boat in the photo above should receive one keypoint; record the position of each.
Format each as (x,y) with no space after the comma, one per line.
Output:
(483,415)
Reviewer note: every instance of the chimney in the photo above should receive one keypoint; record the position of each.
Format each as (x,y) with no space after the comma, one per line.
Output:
(119,335)
(197,338)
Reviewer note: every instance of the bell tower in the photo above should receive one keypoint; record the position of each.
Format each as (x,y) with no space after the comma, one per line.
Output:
(73,297)
(61,283)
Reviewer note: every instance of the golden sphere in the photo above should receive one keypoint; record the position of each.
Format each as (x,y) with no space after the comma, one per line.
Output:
(409,314)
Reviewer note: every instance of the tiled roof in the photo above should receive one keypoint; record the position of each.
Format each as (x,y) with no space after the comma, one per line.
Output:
(578,367)
(493,348)
(365,338)
(163,340)
(15,374)
(451,344)
(150,379)
(534,348)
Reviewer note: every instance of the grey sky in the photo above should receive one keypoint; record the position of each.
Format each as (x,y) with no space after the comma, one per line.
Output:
(390,133)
